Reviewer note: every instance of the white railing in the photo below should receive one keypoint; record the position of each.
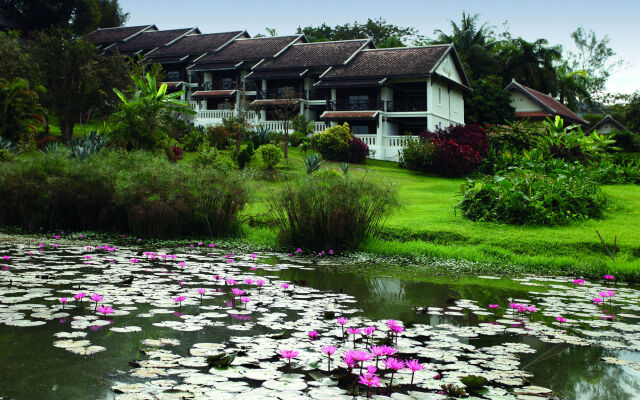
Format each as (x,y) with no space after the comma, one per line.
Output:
(319,126)
(369,140)
(219,114)
(193,105)
(397,141)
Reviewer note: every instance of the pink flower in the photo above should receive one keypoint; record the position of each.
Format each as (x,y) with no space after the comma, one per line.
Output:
(362,355)
(609,277)
(578,282)
(493,306)
(55,245)
(328,350)
(237,292)
(6,258)
(134,261)
(369,330)
(383,350)
(182,263)
(79,295)
(298,250)
(597,300)
(245,299)
(212,245)
(199,243)
(561,319)
(63,300)
(285,285)
(105,310)
(289,354)
(202,291)
(369,380)
(354,331)
(342,320)
(313,335)
(414,365)
(231,282)
(96,297)
(259,282)
(248,281)
(393,363)
(179,299)
(254,256)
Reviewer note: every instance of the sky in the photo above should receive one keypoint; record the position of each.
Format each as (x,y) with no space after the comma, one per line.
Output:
(552,20)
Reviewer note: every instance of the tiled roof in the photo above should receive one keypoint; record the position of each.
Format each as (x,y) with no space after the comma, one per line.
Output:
(547,102)
(531,114)
(340,115)
(173,85)
(607,120)
(147,41)
(325,83)
(214,66)
(286,73)
(193,44)
(314,55)
(273,102)
(102,36)
(248,49)
(396,62)
(214,93)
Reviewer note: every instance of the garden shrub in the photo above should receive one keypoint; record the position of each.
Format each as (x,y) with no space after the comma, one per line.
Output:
(453,159)
(532,198)
(275,138)
(174,153)
(259,136)
(42,143)
(358,151)
(312,162)
(20,111)
(5,155)
(417,155)
(333,143)
(244,157)
(194,139)
(470,135)
(517,136)
(627,141)
(206,155)
(136,192)
(218,136)
(270,155)
(327,211)
(297,138)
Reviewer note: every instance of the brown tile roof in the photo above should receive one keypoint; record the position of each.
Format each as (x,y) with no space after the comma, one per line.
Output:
(249,49)
(532,114)
(349,83)
(214,66)
(384,63)
(214,93)
(608,119)
(547,102)
(315,55)
(107,36)
(273,102)
(272,74)
(342,115)
(173,85)
(147,41)
(195,44)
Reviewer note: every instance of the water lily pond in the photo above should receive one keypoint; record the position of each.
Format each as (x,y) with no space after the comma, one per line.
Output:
(201,323)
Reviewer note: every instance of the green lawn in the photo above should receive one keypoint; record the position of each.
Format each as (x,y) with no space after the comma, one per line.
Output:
(427,224)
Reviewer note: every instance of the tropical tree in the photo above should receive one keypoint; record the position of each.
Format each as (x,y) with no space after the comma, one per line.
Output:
(488,103)
(475,44)
(573,87)
(20,112)
(532,64)
(15,60)
(142,121)
(377,29)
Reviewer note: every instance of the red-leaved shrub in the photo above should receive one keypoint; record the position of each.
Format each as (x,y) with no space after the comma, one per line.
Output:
(42,143)
(358,151)
(454,159)
(174,153)
(471,135)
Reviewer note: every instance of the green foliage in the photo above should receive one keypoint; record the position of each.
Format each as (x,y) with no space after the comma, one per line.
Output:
(333,143)
(141,121)
(16,60)
(474,383)
(20,112)
(259,136)
(532,198)
(571,144)
(514,136)
(379,30)
(244,157)
(5,155)
(206,155)
(237,128)
(453,391)
(325,212)
(218,136)
(86,146)
(135,192)
(297,138)
(195,138)
(488,103)
(313,162)
(532,64)
(627,140)
(302,125)
(417,155)
(270,155)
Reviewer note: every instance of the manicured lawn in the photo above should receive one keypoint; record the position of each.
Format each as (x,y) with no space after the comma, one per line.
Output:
(427,225)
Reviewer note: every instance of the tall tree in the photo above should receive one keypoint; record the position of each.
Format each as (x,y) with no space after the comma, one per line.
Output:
(572,87)
(15,60)
(532,64)
(379,30)
(594,56)
(489,103)
(475,44)
(78,80)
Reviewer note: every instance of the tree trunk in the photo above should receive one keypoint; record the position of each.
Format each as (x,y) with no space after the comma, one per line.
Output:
(66,127)
(286,143)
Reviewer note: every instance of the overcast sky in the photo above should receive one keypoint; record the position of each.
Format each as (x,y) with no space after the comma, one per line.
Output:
(553,20)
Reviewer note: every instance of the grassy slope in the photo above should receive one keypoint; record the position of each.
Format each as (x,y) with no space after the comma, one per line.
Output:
(427,225)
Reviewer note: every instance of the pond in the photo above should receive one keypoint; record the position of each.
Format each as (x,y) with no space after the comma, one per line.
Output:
(158,337)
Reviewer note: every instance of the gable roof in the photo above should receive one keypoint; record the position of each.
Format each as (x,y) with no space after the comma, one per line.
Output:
(195,44)
(244,49)
(149,40)
(394,63)
(607,120)
(315,55)
(548,103)
(107,36)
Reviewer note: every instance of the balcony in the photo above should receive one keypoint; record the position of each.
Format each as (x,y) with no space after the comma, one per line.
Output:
(406,105)
(358,105)
(217,85)
(316,94)
(277,94)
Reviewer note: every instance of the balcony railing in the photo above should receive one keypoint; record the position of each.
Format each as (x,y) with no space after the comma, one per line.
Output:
(217,85)
(277,94)
(250,86)
(316,94)
(358,105)
(219,114)
(409,105)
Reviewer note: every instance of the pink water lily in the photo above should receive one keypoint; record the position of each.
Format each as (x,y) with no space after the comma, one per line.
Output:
(609,277)
(578,282)
(245,300)
(329,350)
(237,292)
(414,366)
(493,306)
(79,296)
(561,319)
(179,299)
(105,310)
(289,354)
(394,365)
(313,335)
(354,332)
(369,380)
(254,256)
(63,301)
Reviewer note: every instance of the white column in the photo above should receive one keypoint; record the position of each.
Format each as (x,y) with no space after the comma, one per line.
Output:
(429,94)
(263,112)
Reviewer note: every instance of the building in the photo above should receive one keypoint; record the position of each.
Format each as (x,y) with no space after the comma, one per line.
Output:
(386,95)
(537,106)
(607,125)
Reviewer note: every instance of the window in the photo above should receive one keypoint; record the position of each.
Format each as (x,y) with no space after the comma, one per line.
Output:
(360,129)
(439,95)
(227,83)
(173,76)
(359,102)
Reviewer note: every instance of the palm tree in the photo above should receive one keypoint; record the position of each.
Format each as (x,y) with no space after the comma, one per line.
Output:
(572,87)
(475,45)
(142,121)
(20,111)
(532,64)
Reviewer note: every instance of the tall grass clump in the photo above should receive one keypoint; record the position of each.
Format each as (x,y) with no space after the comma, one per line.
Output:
(324,211)
(136,192)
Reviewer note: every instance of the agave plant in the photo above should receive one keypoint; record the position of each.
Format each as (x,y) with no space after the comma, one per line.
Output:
(260,136)
(87,145)
(345,168)
(313,162)
(55,147)
(6,144)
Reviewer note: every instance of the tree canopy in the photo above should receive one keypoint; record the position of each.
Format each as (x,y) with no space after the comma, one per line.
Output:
(379,30)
